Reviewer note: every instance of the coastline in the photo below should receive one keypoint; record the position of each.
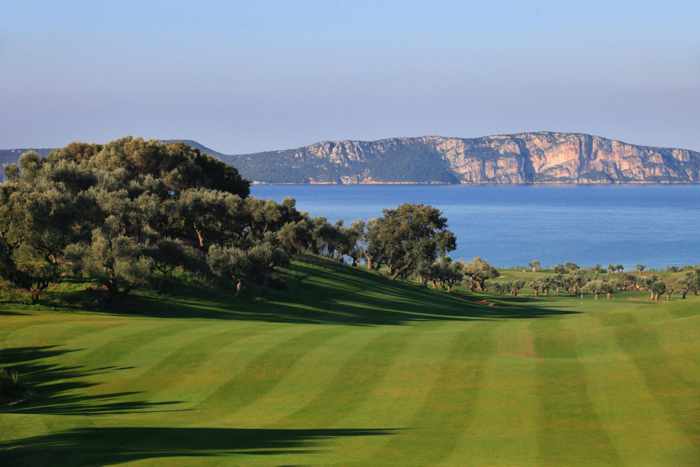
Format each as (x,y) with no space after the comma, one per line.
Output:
(415,183)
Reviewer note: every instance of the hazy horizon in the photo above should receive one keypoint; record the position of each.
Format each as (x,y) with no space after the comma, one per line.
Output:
(274,75)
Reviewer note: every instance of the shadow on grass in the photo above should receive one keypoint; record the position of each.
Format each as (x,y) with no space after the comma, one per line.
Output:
(11,313)
(318,291)
(107,446)
(57,389)
(324,292)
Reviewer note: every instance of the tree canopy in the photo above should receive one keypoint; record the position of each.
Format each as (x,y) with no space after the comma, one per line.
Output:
(408,238)
(114,212)
(132,212)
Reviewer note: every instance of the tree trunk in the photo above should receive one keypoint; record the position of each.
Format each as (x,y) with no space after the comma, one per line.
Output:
(200,237)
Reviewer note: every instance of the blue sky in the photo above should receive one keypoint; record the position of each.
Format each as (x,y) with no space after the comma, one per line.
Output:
(255,75)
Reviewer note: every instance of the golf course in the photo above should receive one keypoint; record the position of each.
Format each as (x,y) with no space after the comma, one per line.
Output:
(346,367)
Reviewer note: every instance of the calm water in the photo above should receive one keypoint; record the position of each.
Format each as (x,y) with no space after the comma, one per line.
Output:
(652,225)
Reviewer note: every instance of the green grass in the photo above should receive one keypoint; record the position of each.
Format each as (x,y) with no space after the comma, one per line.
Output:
(347,368)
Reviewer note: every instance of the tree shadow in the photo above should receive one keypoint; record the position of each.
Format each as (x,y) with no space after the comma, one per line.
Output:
(324,292)
(11,313)
(318,291)
(115,445)
(56,389)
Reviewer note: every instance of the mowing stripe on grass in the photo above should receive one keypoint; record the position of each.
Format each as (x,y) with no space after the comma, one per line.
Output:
(175,364)
(353,382)
(397,398)
(678,394)
(570,432)
(127,341)
(43,329)
(59,339)
(73,334)
(14,324)
(268,369)
(302,386)
(637,424)
(449,406)
(504,423)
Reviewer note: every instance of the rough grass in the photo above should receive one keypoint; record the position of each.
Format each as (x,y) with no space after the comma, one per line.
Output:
(347,368)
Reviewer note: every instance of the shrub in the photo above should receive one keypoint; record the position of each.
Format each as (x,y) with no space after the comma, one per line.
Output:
(12,386)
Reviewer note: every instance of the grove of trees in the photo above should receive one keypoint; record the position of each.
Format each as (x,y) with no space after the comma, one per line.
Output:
(135,213)
(596,281)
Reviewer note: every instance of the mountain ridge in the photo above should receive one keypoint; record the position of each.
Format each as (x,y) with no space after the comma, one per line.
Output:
(519,158)
(516,158)
(495,135)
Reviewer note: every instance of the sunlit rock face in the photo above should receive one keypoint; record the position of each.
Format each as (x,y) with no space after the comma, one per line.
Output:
(567,158)
(542,157)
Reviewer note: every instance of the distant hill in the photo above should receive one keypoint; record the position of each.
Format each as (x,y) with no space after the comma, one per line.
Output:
(523,158)
(197,145)
(10,156)
(540,157)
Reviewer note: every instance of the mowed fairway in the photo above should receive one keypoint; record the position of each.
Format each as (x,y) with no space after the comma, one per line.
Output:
(347,368)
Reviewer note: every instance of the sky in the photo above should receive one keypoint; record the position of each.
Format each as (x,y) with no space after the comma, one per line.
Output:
(246,76)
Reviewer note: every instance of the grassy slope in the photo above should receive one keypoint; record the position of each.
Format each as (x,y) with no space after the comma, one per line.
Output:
(348,368)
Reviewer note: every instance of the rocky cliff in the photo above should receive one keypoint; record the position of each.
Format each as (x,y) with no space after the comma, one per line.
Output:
(542,157)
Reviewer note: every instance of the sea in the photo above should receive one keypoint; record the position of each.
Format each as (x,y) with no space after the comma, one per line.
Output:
(654,225)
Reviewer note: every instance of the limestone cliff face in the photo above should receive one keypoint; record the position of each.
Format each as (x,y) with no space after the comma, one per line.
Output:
(541,157)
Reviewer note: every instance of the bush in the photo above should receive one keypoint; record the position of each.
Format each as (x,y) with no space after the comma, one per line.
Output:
(12,388)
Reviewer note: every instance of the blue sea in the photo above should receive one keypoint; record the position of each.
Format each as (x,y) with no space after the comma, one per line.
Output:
(657,226)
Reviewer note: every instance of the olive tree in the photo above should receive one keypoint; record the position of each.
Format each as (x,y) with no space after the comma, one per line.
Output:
(41,213)
(658,288)
(407,237)
(477,272)
(445,273)
(241,267)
